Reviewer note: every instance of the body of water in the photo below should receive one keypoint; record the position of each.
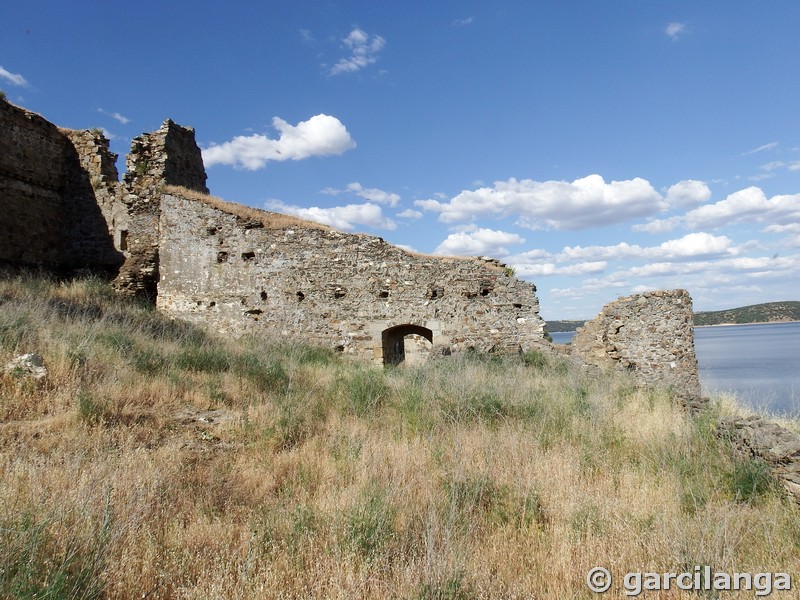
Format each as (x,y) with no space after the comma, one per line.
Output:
(759,364)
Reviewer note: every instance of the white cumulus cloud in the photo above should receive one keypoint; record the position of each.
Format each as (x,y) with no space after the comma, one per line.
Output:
(363,49)
(580,204)
(345,218)
(479,242)
(410,214)
(321,135)
(13,78)
(688,193)
(747,205)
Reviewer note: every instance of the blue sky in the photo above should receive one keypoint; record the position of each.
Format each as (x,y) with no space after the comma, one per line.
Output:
(602,148)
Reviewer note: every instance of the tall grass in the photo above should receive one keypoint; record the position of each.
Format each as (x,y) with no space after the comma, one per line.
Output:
(158,460)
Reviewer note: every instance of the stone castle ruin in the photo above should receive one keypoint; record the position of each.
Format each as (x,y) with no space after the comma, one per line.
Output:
(158,234)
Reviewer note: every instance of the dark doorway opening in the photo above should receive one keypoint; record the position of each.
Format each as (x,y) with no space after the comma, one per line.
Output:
(393,341)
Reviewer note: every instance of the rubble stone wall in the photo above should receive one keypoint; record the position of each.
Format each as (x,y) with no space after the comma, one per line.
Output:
(354,293)
(756,436)
(650,334)
(63,208)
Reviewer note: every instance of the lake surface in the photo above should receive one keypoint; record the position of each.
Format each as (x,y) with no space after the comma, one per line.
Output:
(759,364)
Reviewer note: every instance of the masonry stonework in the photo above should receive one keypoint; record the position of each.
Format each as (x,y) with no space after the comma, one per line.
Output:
(244,271)
(650,335)
(53,196)
(354,293)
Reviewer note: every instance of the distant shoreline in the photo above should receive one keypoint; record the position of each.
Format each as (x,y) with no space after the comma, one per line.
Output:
(753,323)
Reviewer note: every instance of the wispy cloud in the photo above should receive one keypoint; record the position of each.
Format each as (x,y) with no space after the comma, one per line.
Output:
(115,115)
(764,148)
(321,135)
(675,30)
(463,22)
(369,194)
(364,50)
(13,78)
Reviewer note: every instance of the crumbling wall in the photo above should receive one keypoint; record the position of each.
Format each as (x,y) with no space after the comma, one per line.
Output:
(650,334)
(50,213)
(168,156)
(63,208)
(756,436)
(277,277)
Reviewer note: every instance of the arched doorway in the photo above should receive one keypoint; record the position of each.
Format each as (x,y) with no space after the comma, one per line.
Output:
(393,341)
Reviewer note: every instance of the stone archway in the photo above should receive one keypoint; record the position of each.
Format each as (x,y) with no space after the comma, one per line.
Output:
(393,342)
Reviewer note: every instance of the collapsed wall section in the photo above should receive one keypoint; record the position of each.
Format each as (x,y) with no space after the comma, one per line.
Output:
(344,291)
(650,334)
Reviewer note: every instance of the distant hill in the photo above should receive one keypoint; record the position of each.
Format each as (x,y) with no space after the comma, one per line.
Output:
(556,326)
(769,312)
(755,313)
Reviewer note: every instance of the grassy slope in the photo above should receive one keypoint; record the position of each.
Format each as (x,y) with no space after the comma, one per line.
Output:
(317,477)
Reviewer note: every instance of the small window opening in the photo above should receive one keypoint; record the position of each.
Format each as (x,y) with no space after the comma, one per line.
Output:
(339,293)
(435,292)
(248,255)
(254,311)
(123,239)
(222,257)
(300,296)
(339,348)
(212,304)
(263,295)
(211,230)
(517,305)
(383,294)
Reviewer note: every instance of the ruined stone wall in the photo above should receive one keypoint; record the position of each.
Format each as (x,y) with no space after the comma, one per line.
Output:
(756,436)
(650,334)
(63,208)
(168,156)
(50,215)
(343,291)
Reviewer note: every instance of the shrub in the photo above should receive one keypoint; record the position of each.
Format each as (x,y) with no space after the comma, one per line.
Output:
(369,525)
(367,390)
(750,480)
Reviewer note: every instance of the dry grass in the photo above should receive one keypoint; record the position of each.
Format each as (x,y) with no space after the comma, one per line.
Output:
(160,461)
